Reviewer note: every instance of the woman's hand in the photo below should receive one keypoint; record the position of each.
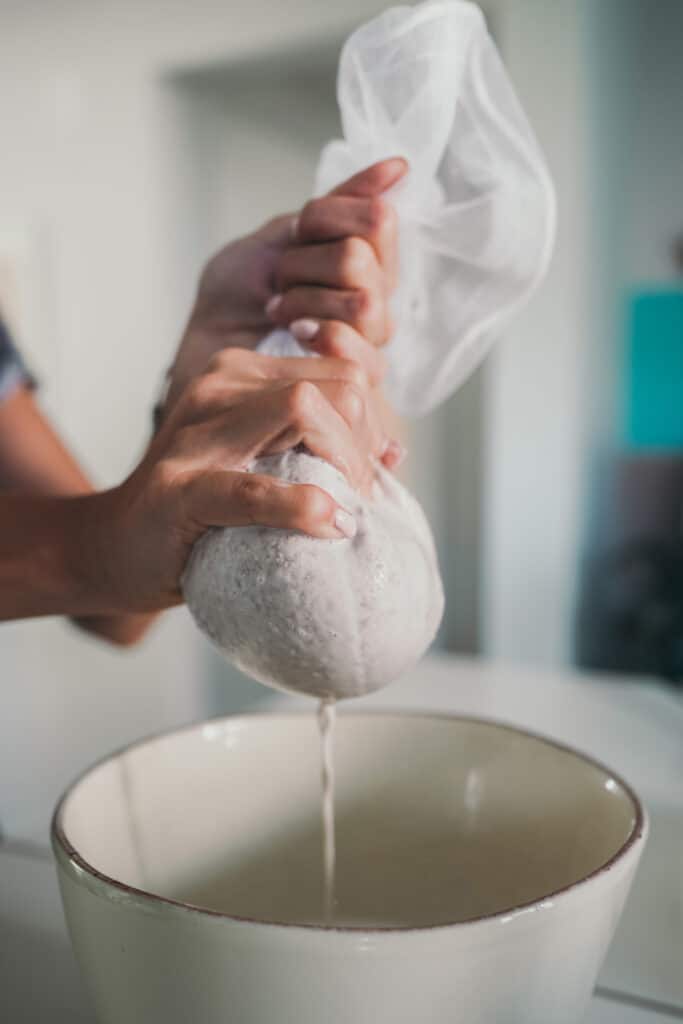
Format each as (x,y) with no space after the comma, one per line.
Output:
(195,474)
(326,273)
(123,551)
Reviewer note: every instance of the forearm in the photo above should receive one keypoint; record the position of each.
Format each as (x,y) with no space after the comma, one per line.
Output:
(47,557)
(33,460)
(34,464)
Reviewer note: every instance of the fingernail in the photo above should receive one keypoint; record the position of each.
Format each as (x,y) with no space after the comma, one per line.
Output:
(272,305)
(305,329)
(345,523)
(394,455)
(294,229)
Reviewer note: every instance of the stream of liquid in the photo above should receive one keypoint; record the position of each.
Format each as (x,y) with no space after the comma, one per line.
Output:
(326,717)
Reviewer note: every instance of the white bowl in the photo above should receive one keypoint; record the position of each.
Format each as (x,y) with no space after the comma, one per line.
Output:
(481,874)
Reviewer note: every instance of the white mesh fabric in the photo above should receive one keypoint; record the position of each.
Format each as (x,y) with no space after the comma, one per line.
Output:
(477,209)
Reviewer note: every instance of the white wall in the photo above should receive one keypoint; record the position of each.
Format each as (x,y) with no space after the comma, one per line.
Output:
(534,442)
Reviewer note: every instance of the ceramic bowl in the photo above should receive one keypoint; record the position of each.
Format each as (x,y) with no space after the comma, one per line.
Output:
(481,872)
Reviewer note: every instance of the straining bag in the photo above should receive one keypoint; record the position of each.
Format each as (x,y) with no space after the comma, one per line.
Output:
(476,210)
(342,618)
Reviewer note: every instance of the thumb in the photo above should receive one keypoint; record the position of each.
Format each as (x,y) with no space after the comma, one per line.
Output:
(374,179)
(228,498)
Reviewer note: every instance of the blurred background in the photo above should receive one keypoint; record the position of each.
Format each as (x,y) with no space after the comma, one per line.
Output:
(140,135)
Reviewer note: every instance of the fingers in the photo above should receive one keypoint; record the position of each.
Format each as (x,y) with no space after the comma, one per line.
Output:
(333,218)
(360,415)
(227,498)
(279,370)
(331,411)
(234,375)
(342,263)
(352,208)
(332,338)
(241,366)
(366,310)
(374,179)
(331,420)
(348,263)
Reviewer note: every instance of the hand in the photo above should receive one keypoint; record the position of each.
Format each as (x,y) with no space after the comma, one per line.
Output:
(326,273)
(195,474)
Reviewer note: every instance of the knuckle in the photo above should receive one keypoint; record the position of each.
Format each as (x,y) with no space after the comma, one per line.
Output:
(332,330)
(251,492)
(170,474)
(301,399)
(314,506)
(380,214)
(335,349)
(310,214)
(331,338)
(355,258)
(227,359)
(361,304)
(353,374)
(216,365)
(200,392)
(350,403)
(164,474)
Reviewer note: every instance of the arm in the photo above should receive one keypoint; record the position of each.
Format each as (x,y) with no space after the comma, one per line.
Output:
(33,463)
(124,550)
(104,556)
(43,556)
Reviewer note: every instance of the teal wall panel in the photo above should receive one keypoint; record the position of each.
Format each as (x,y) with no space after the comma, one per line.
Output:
(654,368)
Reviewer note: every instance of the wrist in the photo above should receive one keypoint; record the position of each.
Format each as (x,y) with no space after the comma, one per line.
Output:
(48,557)
(94,557)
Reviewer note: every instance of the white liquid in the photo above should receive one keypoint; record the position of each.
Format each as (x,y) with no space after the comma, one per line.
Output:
(326,717)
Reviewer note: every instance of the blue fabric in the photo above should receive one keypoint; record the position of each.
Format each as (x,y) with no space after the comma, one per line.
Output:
(13,373)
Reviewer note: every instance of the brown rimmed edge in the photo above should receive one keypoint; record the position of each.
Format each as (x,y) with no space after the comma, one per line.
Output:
(61,843)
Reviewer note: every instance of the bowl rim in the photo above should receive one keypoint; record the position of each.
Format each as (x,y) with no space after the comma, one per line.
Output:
(68,857)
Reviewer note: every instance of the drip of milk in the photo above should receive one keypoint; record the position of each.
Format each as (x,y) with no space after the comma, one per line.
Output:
(326,718)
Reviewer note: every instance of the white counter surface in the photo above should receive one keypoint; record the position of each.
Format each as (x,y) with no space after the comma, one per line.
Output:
(636,727)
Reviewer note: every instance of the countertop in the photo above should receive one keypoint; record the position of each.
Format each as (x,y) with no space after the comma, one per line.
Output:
(634,726)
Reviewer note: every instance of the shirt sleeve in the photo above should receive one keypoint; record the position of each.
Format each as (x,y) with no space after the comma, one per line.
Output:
(13,372)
